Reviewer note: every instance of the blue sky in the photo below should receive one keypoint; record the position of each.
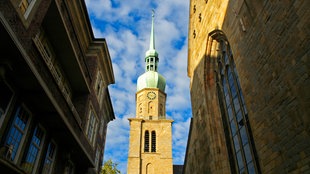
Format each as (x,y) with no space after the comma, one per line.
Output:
(126,26)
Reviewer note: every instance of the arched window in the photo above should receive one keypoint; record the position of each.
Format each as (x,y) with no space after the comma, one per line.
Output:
(234,112)
(146,141)
(151,107)
(153,141)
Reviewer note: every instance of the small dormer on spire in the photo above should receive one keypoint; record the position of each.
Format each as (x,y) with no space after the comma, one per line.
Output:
(151,56)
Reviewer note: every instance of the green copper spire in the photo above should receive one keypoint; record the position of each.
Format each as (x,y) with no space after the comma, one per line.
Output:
(151,78)
(152,39)
(151,56)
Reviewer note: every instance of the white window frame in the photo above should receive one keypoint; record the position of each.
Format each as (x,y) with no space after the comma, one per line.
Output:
(25,132)
(100,82)
(97,158)
(101,127)
(28,8)
(4,112)
(53,158)
(40,148)
(92,122)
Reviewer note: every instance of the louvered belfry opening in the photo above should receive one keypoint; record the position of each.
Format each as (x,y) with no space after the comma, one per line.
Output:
(146,141)
(153,141)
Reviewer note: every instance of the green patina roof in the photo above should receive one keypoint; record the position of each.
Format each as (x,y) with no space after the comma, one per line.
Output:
(151,78)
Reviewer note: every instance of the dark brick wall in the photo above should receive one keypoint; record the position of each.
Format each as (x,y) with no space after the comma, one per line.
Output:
(40,73)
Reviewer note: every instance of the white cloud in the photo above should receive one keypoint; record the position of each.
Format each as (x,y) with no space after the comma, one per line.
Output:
(180,134)
(126,27)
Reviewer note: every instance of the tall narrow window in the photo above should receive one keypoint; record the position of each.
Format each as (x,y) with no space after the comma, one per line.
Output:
(97,157)
(153,141)
(99,87)
(235,113)
(17,132)
(92,125)
(146,141)
(102,127)
(70,167)
(34,149)
(49,158)
(151,108)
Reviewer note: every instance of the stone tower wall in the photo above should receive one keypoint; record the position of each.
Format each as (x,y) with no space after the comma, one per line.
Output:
(270,44)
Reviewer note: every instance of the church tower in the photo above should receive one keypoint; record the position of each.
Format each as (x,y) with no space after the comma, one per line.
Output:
(150,143)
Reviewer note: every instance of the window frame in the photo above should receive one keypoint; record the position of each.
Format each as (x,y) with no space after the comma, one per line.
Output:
(69,167)
(102,127)
(34,146)
(234,110)
(9,104)
(49,169)
(150,141)
(97,158)
(99,82)
(94,127)
(27,7)
(25,131)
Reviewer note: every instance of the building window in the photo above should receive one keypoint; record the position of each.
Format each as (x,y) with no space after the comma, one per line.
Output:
(49,158)
(153,141)
(146,141)
(25,7)
(92,125)
(70,168)
(17,132)
(34,149)
(102,127)
(151,107)
(47,52)
(6,96)
(99,87)
(235,112)
(97,159)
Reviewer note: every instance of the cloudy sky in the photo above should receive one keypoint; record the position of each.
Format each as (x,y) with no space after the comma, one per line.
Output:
(126,25)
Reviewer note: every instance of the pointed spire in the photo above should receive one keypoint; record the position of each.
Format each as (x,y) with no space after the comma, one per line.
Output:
(151,55)
(152,39)
(151,78)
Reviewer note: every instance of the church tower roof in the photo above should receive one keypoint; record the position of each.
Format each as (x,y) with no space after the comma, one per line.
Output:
(151,78)
(152,51)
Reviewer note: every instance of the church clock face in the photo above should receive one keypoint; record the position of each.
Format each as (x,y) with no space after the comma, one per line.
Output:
(151,95)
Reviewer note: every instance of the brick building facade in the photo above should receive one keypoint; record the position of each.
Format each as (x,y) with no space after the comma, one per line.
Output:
(54,100)
(249,65)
